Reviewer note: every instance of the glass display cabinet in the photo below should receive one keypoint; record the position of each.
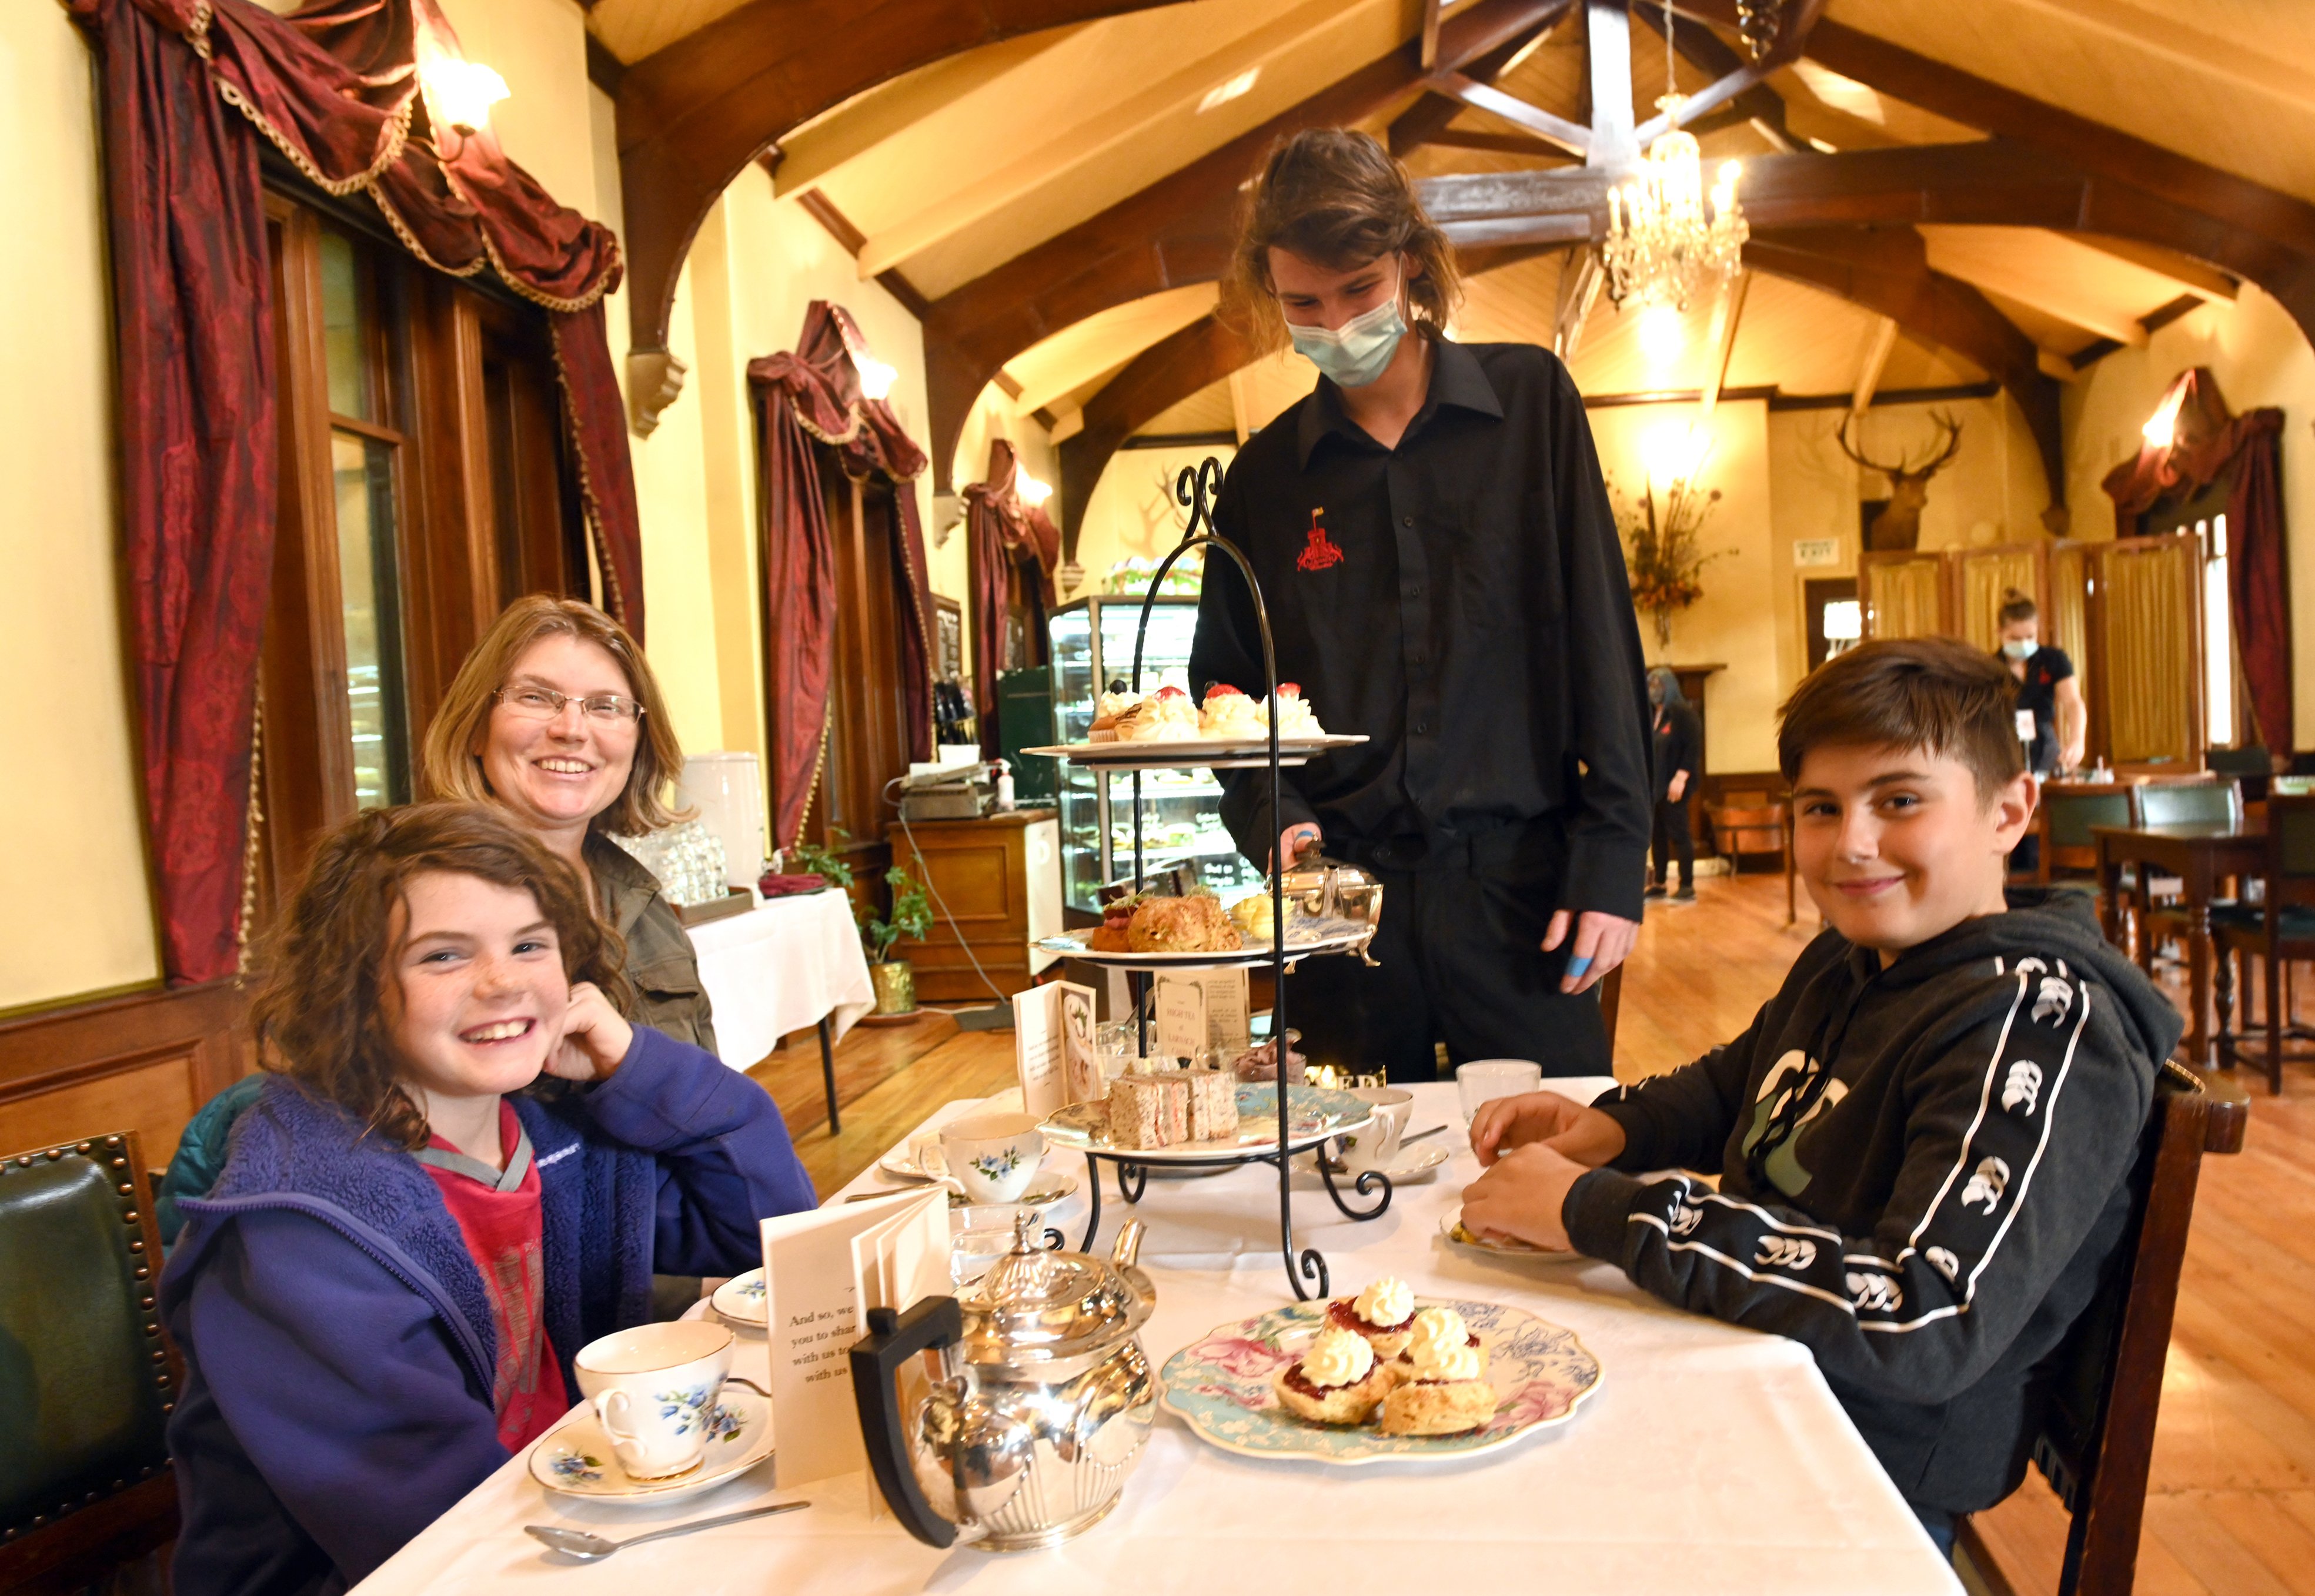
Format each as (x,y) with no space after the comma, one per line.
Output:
(1181,809)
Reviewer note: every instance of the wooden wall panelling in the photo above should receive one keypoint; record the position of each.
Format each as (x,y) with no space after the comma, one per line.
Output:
(983,871)
(144,1063)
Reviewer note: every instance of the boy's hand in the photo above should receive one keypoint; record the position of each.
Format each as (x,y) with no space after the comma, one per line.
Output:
(1585,1135)
(1521,1195)
(595,1038)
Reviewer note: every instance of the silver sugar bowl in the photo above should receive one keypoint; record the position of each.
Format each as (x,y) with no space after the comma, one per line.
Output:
(1040,1407)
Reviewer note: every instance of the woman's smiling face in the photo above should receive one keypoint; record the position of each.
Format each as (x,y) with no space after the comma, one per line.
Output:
(557,774)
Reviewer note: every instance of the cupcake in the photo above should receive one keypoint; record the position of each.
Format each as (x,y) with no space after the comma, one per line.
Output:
(1436,1332)
(1337,1381)
(1384,1312)
(1443,1392)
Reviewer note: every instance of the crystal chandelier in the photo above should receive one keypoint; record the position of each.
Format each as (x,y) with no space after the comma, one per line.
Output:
(1664,246)
(1667,242)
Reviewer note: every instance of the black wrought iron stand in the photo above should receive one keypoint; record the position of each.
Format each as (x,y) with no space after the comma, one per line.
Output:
(1194,489)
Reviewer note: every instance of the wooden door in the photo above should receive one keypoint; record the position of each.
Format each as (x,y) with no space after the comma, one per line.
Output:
(867,734)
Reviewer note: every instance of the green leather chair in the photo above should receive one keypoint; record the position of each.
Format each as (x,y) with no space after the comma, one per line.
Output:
(88,1376)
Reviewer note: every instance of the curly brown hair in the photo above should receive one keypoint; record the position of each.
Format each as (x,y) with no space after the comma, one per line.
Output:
(1335,196)
(320,1013)
(451,765)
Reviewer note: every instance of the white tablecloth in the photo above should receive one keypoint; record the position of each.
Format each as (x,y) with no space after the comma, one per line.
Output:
(781,968)
(1711,1459)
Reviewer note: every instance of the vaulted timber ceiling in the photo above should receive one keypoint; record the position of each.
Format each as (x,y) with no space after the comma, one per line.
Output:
(1942,194)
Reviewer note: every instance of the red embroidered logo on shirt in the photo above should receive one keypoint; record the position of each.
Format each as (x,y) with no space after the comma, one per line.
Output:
(1319,553)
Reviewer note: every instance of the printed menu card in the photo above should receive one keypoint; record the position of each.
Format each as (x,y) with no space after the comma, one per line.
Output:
(1052,1048)
(823,1271)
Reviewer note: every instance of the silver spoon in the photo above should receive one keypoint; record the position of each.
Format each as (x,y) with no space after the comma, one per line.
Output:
(594,1549)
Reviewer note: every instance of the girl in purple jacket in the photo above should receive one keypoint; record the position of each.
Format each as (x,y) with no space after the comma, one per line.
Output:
(464,1165)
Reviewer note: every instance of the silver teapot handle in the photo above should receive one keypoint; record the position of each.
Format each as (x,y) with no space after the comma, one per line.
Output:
(877,1359)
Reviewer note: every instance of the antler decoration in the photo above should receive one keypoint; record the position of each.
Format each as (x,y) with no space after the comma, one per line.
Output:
(1900,472)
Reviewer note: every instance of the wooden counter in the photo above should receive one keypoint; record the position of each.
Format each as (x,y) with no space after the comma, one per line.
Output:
(1001,878)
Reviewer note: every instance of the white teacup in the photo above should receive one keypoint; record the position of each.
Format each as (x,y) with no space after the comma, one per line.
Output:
(654,1389)
(1482,1080)
(993,1157)
(1376,1147)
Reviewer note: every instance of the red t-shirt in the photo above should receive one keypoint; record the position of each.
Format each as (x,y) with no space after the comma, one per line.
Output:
(503,1231)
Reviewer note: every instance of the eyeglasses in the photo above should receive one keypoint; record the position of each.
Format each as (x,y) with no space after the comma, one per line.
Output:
(544,704)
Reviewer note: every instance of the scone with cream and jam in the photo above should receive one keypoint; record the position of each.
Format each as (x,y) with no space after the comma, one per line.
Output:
(1167,716)
(1384,1312)
(1296,718)
(1338,1380)
(1443,1390)
(1435,1330)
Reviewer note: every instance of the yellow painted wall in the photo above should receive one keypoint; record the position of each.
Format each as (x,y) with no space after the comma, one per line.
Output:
(1131,512)
(74,905)
(1735,623)
(2260,358)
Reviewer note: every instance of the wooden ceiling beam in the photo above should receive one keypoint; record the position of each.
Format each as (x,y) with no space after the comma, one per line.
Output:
(1886,269)
(1425,121)
(1153,382)
(1175,231)
(691,116)
(1757,102)
(1607,83)
(2192,276)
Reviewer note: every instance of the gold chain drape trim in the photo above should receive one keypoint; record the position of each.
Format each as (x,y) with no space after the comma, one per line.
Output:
(252,826)
(819,765)
(393,140)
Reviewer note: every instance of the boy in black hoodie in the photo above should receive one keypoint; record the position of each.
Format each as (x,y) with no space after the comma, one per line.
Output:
(1922,1139)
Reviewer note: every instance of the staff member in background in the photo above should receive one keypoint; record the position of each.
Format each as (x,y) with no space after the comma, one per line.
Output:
(1676,742)
(2047,690)
(1442,574)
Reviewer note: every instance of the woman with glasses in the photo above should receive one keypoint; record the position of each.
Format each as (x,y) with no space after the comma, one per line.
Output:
(556,718)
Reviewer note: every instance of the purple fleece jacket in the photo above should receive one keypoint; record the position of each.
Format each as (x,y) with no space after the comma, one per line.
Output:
(338,1342)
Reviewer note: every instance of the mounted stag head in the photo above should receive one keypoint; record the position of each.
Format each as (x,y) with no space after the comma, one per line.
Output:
(1899,526)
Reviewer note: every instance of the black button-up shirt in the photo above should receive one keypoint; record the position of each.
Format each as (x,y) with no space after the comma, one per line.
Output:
(1461,599)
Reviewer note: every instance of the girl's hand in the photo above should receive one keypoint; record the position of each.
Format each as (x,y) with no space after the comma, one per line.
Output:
(595,1038)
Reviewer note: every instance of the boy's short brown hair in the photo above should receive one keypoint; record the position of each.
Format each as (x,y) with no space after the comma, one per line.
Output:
(1933,693)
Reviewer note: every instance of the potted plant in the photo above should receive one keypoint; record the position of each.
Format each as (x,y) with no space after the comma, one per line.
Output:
(1663,552)
(911,917)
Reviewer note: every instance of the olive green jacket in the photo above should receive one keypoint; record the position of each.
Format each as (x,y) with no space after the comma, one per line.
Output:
(661,964)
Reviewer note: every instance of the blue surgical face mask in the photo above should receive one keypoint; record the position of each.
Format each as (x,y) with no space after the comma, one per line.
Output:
(1359,350)
(2020,648)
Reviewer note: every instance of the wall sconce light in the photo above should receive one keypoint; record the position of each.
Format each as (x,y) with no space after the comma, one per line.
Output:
(460,93)
(876,378)
(2161,428)
(1032,491)
(1673,454)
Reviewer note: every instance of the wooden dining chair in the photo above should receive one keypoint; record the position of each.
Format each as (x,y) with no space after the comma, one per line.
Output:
(2155,898)
(2097,1436)
(2063,818)
(2275,932)
(88,1377)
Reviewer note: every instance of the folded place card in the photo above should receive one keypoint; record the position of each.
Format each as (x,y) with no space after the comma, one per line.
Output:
(1052,1048)
(823,1270)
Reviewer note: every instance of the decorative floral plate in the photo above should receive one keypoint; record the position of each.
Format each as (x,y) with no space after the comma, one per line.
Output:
(575,1457)
(1319,1112)
(1174,753)
(1451,1232)
(741,1297)
(1221,1385)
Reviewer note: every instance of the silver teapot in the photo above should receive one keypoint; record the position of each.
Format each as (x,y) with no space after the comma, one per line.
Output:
(1042,1404)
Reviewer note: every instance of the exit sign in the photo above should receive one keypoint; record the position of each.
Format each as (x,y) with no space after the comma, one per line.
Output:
(1816,551)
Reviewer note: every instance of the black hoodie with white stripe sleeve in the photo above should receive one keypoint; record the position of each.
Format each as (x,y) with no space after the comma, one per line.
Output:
(1922,1171)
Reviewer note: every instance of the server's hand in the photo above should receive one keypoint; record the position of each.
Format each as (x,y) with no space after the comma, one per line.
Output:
(1679,788)
(1293,840)
(1602,941)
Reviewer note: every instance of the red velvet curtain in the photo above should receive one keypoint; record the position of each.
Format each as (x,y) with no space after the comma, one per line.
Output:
(1015,549)
(805,401)
(2206,442)
(334,89)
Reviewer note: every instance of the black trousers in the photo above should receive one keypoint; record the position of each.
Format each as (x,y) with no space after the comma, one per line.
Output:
(1671,826)
(1458,959)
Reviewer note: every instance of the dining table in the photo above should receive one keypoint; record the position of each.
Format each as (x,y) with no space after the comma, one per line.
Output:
(788,964)
(2200,854)
(1708,1458)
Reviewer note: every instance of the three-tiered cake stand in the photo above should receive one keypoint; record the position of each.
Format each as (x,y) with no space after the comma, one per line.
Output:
(1326,1113)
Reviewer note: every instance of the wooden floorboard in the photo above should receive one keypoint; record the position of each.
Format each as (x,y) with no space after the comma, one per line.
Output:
(2231,1508)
